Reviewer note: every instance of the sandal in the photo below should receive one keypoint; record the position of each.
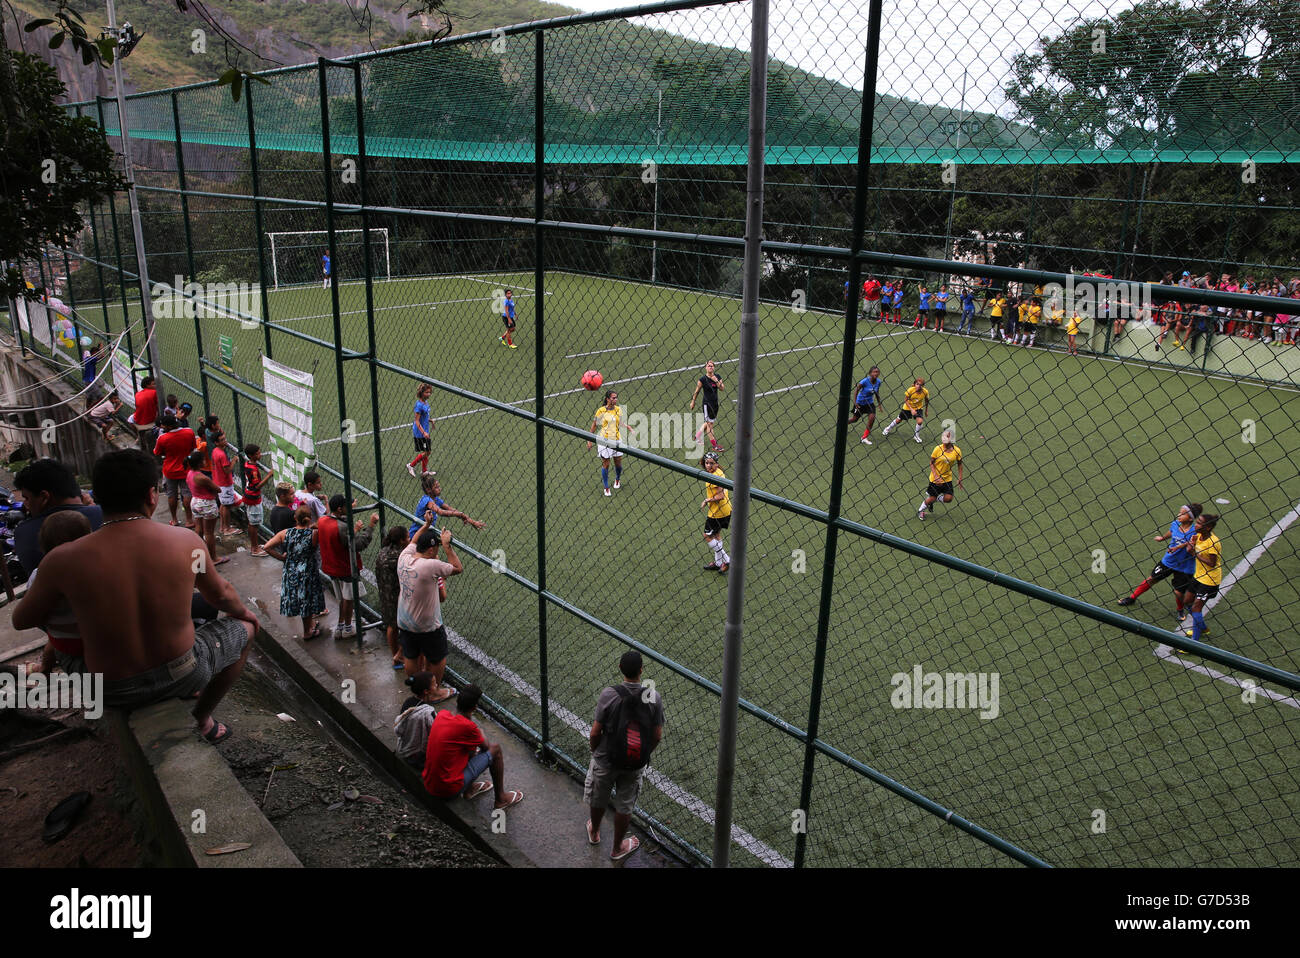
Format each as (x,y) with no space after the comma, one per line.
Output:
(633,842)
(592,838)
(313,634)
(217,733)
(477,789)
(511,798)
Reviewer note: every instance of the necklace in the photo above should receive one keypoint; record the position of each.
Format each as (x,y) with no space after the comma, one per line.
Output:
(109,522)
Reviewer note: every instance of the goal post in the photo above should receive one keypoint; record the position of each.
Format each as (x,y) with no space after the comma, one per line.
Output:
(296,255)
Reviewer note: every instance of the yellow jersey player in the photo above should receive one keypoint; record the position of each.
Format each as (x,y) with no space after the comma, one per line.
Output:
(1209,570)
(607,427)
(1072,330)
(717,508)
(942,459)
(915,403)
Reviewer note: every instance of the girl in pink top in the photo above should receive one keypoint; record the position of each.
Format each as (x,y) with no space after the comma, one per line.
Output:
(204,503)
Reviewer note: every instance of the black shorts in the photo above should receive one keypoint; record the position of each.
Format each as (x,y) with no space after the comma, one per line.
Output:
(864,409)
(1203,591)
(432,645)
(939,489)
(510,323)
(421,443)
(714,527)
(906,414)
(1182,580)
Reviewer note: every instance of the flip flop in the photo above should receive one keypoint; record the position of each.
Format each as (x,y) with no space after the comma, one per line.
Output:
(64,815)
(477,789)
(451,694)
(313,634)
(591,839)
(218,733)
(512,798)
(222,561)
(631,840)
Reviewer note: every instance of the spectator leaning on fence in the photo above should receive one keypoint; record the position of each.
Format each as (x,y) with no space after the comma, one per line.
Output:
(629,724)
(340,555)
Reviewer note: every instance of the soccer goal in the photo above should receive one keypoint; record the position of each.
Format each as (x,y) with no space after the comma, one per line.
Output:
(296,255)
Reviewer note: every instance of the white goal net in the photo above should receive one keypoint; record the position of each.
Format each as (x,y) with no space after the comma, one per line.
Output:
(297,258)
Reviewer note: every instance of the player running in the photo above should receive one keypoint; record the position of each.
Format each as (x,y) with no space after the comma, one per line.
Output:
(1177,561)
(605,426)
(942,460)
(710,384)
(915,403)
(1209,571)
(717,506)
(421,425)
(865,401)
(508,317)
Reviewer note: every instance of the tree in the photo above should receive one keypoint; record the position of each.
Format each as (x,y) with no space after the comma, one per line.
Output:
(51,164)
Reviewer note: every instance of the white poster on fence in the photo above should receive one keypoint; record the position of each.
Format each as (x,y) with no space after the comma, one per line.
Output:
(121,361)
(289,420)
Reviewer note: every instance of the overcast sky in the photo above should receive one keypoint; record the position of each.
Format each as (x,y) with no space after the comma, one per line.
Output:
(929,49)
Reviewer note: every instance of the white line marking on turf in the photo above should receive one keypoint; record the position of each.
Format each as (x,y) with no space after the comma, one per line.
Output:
(611,382)
(1232,578)
(773,392)
(379,309)
(493,282)
(696,806)
(616,349)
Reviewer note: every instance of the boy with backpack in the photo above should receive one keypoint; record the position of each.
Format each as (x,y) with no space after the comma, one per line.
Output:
(628,726)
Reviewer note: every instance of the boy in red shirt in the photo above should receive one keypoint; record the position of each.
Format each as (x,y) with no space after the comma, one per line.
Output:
(174,445)
(335,546)
(458,753)
(146,411)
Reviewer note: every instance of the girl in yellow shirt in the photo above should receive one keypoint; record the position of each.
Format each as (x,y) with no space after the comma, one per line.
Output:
(717,509)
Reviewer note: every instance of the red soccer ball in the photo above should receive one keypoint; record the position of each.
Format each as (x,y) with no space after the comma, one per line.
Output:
(592,379)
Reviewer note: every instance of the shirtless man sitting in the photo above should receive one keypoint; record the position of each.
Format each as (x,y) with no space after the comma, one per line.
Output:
(129,585)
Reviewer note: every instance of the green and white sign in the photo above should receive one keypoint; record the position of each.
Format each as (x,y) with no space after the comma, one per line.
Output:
(121,362)
(226,353)
(289,420)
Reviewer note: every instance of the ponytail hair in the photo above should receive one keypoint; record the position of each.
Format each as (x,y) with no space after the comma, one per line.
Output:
(1208,521)
(1195,508)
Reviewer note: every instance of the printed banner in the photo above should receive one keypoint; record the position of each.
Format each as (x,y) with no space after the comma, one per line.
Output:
(121,361)
(226,353)
(289,420)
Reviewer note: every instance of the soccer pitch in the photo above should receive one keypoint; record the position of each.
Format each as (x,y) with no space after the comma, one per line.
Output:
(1072,465)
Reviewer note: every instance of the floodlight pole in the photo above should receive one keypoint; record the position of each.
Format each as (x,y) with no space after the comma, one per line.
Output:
(142,267)
(744,435)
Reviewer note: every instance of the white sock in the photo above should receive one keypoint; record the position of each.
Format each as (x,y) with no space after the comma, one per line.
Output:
(719,554)
(922,507)
(918,431)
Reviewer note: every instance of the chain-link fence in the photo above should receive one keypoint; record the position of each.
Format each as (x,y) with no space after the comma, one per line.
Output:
(1074,228)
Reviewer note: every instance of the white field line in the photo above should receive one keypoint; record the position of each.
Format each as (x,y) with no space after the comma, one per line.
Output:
(630,379)
(380,309)
(493,282)
(693,804)
(597,352)
(1238,571)
(773,392)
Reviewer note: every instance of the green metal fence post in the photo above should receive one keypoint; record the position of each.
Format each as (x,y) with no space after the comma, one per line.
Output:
(257,219)
(189,253)
(866,132)
(539,279)
(370,294)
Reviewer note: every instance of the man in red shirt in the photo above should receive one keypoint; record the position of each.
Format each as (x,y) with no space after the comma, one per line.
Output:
(871,297)
(334,552)
(174,445)
(458,753)
(146,412)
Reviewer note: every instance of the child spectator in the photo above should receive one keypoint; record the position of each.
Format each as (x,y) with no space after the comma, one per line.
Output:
(223,474)
(301,594)
(203,501)
(254,478)
(458,753)
(413,724)
(281,516)
(340,553)
(395,540)
(310,495)
(173,407)
(175,445)
(102,415)
(63,647)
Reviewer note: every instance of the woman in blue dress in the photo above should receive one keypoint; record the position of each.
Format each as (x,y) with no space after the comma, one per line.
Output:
(301,593)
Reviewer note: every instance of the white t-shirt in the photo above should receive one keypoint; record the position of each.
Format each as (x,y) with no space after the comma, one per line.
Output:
(418,607)
(319,508)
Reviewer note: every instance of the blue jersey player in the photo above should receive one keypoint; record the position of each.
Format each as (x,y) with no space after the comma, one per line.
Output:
(508,317)
(325,268)
(864,403)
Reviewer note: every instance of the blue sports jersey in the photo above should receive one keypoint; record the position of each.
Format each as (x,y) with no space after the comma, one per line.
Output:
(325,262)
(509,308)
(868,391)
(421,414)
(423,504)
(941,300)
(898,296)
(1182,560)
(967,301)
(925,301)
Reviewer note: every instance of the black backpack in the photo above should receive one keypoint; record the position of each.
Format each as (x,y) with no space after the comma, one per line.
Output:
(631,728)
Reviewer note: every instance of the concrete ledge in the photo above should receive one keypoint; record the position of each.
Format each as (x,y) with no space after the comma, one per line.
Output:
(176,773)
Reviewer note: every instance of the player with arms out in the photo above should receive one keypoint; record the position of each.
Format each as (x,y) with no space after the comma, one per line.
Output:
(915,403)
(942,459)
(606,428)
(1208,551)
(710,384)
(420,427)
(508,317)
(717,507)
(1177,561)
(864,404)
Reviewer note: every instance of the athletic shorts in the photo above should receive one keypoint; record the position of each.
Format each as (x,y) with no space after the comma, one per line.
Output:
(203,508)
(421,443)
(254,514)
(510,323)
(607,785)
(608,448)
(345,590)
(226,496)
(217,646)
(177,488)
(715,527)
(1203,591)
(864,409)
(906,414)
(939,489)
(1182,580)
(710,413)
(432,645)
